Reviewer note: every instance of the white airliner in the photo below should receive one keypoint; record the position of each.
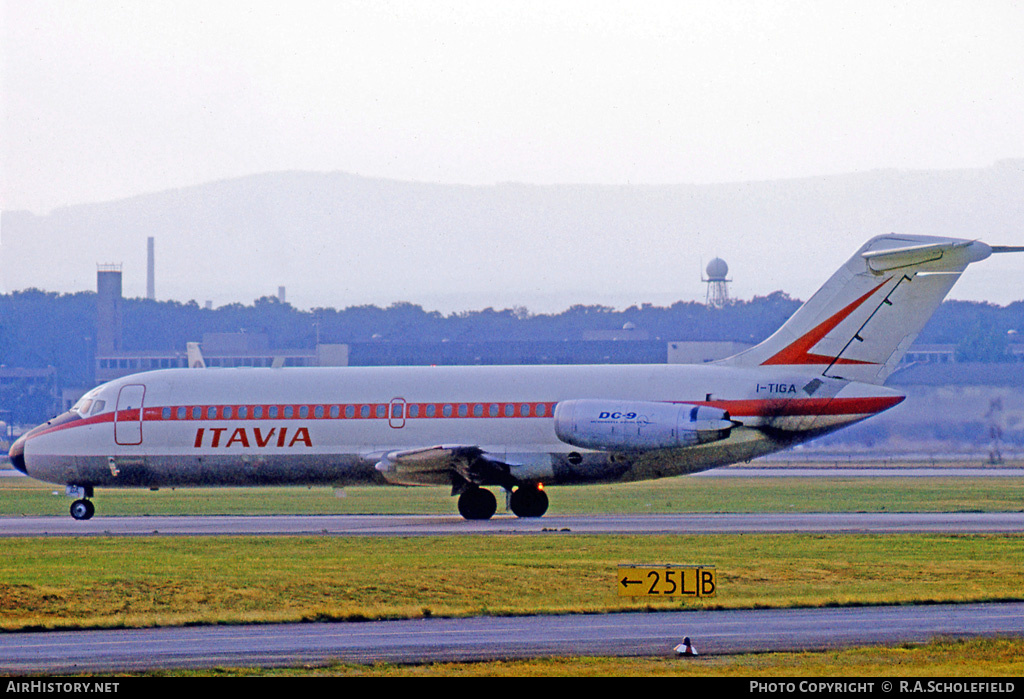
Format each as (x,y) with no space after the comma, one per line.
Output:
(520,428)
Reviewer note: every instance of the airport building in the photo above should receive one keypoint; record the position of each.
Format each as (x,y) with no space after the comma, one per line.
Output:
(628,345)
(220,350)
(25,392)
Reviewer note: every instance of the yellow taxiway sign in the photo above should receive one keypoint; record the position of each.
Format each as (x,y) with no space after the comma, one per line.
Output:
(667,580)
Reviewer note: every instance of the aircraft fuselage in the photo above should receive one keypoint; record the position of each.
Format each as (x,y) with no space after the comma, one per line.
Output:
(334,425)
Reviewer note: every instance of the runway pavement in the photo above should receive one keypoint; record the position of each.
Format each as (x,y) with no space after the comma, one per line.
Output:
(488,638)
(435,525)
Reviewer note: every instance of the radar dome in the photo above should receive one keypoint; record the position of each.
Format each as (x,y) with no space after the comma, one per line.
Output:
(717,269)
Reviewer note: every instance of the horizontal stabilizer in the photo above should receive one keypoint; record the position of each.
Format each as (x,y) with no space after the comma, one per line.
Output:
(897,258)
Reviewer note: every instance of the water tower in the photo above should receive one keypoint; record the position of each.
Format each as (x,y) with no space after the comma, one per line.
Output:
(718,292)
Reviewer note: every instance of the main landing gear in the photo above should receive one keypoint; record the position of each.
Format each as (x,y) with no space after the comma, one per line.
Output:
(529,501)
(477,503)
(525,501)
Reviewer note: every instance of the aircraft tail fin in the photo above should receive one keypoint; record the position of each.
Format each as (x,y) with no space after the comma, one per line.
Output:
(195,356)
(861,322)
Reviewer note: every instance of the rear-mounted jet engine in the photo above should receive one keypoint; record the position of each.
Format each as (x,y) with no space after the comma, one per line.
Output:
(638,425)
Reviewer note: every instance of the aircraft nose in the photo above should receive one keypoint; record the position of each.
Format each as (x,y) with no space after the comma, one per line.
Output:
(17,454)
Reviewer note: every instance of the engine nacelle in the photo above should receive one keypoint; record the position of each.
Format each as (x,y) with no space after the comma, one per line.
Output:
(638,425)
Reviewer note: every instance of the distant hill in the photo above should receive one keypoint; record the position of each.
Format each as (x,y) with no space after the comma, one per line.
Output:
(338,240)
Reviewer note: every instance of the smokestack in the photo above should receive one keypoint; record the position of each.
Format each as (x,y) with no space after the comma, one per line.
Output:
(150,270)
(280,294)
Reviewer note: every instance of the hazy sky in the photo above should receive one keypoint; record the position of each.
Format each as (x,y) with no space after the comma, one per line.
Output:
(105,99)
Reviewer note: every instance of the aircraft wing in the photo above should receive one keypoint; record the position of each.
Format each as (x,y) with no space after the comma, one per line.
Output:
(445,464)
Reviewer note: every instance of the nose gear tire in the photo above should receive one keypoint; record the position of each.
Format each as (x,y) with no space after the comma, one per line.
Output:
(82,509)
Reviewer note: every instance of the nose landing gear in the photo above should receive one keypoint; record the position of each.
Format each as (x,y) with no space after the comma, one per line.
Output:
(82,509)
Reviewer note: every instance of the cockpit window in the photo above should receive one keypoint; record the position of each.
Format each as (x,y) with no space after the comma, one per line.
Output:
(89,406)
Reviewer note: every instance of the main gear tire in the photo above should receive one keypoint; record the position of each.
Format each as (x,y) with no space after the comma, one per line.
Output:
(477,503)
(528,501)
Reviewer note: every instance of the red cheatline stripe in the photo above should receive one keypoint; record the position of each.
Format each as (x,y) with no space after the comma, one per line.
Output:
(806,406)
(536,409)
(350,411)
(309,411)
(82,422)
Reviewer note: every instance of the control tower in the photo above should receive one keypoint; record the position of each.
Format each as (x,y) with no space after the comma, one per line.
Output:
(108,309)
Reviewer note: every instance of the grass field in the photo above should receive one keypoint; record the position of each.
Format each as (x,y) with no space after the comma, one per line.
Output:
(981,658)
(24,496)
(127,581)
(50,583)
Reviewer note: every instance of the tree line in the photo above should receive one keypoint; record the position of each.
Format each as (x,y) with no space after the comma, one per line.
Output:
(40,329)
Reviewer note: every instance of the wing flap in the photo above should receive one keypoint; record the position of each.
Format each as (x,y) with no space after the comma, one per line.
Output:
(426,465)
(457,465)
